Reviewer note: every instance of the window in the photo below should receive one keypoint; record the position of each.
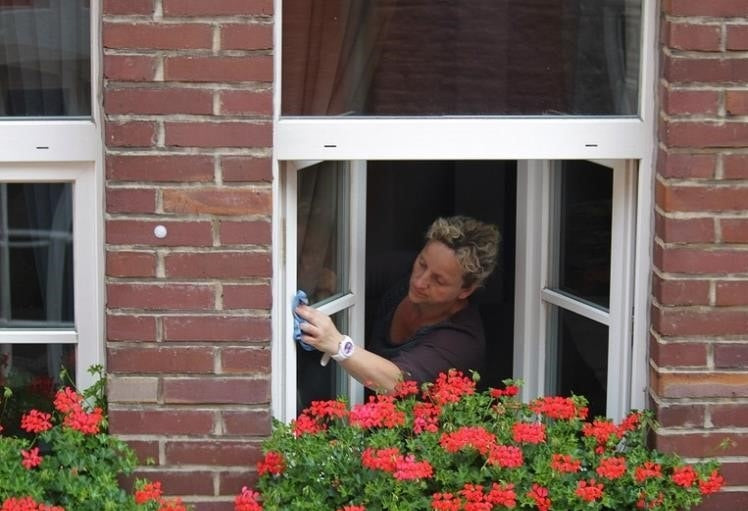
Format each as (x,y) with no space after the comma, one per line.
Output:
(50,195)
(435,115)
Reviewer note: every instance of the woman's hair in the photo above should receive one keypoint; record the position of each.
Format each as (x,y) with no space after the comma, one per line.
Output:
(475,243)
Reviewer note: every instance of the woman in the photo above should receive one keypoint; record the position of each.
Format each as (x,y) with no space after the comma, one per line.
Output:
(432,326)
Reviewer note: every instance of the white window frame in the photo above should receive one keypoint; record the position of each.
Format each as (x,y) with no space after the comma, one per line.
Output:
(525,139)
(70,150)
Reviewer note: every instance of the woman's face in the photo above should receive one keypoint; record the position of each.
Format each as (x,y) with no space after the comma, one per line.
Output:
(436,278)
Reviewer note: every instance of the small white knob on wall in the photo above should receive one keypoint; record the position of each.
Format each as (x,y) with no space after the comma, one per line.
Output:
(159,231)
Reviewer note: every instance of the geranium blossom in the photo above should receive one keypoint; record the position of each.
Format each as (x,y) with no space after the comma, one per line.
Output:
(476,437)
(405,388)
(589,490)
(172,505)
(150,492)
(507,456)
(647,470)
(247,500)
(36,422)
(508,391)
(27,504)
(31,458)
(555,407)
(445,502)
(565,464)
(327,409)
(684,476)
(381,459)
(600,430)
(530,433)
(379,412)
(450,387)
(711,484)
(425,417)
(611,468)
(67,400)
(408,468)
(273,463)
(352,508)
(540,495)
(86,423)
(304,425)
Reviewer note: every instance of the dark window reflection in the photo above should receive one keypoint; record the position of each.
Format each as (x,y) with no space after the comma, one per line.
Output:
(36,255)
(45,65)
(585,231)
(581,361)
(315,382)
(461,57)
(32,372)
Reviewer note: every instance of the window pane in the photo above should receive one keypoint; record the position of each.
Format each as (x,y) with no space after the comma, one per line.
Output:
(322,227)
(316,382)
(585,217)
(32,371)
(45,58)
(36,255)
(579,358)
(461,57)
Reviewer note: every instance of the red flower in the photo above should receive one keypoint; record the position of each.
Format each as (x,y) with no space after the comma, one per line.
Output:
(509,391)
(305,425)
(381,459)
(86,423)
(36,422)
(247,500)
(67,400)
(589,490)
(31,458)
(325,409)
(540,495)
(450,387)
(407,468)
(445,502)
(684,476)
(649,503)
(172,505)
(26,504)
(565,464)
(379,412)
(405,389)
(352,508)
(425,417)
(531,433)
(601,430)
(629,423)
(273,463)
(507,456)
(475,437)
(150,492)
(502,495)
(647,470)
(611,468)
(712,484)
(555,407)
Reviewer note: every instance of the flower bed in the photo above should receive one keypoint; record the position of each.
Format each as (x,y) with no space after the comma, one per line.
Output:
(451,448)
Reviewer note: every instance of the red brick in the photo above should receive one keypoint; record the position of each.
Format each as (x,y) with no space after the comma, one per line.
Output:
(736,102)
(130,200)
(133,68)
(680,292)
(723,501)
(687,416)
(242,168)
(231,483)
(144,449)
(684,230)
(691,36)
(734,230)
(219,69)
(735,166)
(704,444)
(158,101)
(707,70)
(734,473)
(222,265)
(714,8)
(130,134)
(212,452)
(218,134)
(136,232)
(241,102)
(157,36)
(246,36)
(677,354)
(697,261)
(128,7)
(691,101)
(252,296)
(160,360)
(245,233)
(216,390)
(218,201)
(130,264)
(700,321)
(130,328)
(702,198)
(706,134)
(249,422)
(162,422)
(729,415)
(731,356)
(686,165)
(245,360)
(216,328)
(222,8)
(737,37)
(700,385)
(167,168)
(732,293)
(160,296)
(180,482)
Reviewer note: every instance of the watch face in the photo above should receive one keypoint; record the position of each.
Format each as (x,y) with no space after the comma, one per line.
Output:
(347,347)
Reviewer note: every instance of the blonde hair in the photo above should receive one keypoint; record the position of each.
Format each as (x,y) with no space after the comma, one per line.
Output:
(475,243)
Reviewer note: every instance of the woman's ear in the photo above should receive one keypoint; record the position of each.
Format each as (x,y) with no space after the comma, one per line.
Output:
(467,291)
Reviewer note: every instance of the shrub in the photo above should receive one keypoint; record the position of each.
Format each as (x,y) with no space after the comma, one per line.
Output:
(458,449)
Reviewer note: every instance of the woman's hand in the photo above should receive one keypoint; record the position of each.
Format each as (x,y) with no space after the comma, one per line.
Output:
(318,330)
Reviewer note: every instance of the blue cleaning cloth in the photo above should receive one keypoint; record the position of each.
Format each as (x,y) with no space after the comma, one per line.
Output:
(299,298)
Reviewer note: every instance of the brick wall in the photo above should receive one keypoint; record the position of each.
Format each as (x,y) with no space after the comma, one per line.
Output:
(699,341)
(187,101)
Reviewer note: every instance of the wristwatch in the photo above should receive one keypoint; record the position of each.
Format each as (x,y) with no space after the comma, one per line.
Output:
(345,349)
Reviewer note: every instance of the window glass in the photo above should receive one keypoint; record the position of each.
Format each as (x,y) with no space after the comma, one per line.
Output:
(586,207)
(580,363)
(36,255)
(45,58)
(461,57)
(322,227)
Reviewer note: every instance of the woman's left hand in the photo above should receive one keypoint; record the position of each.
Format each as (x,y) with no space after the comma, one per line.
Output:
(318,330)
